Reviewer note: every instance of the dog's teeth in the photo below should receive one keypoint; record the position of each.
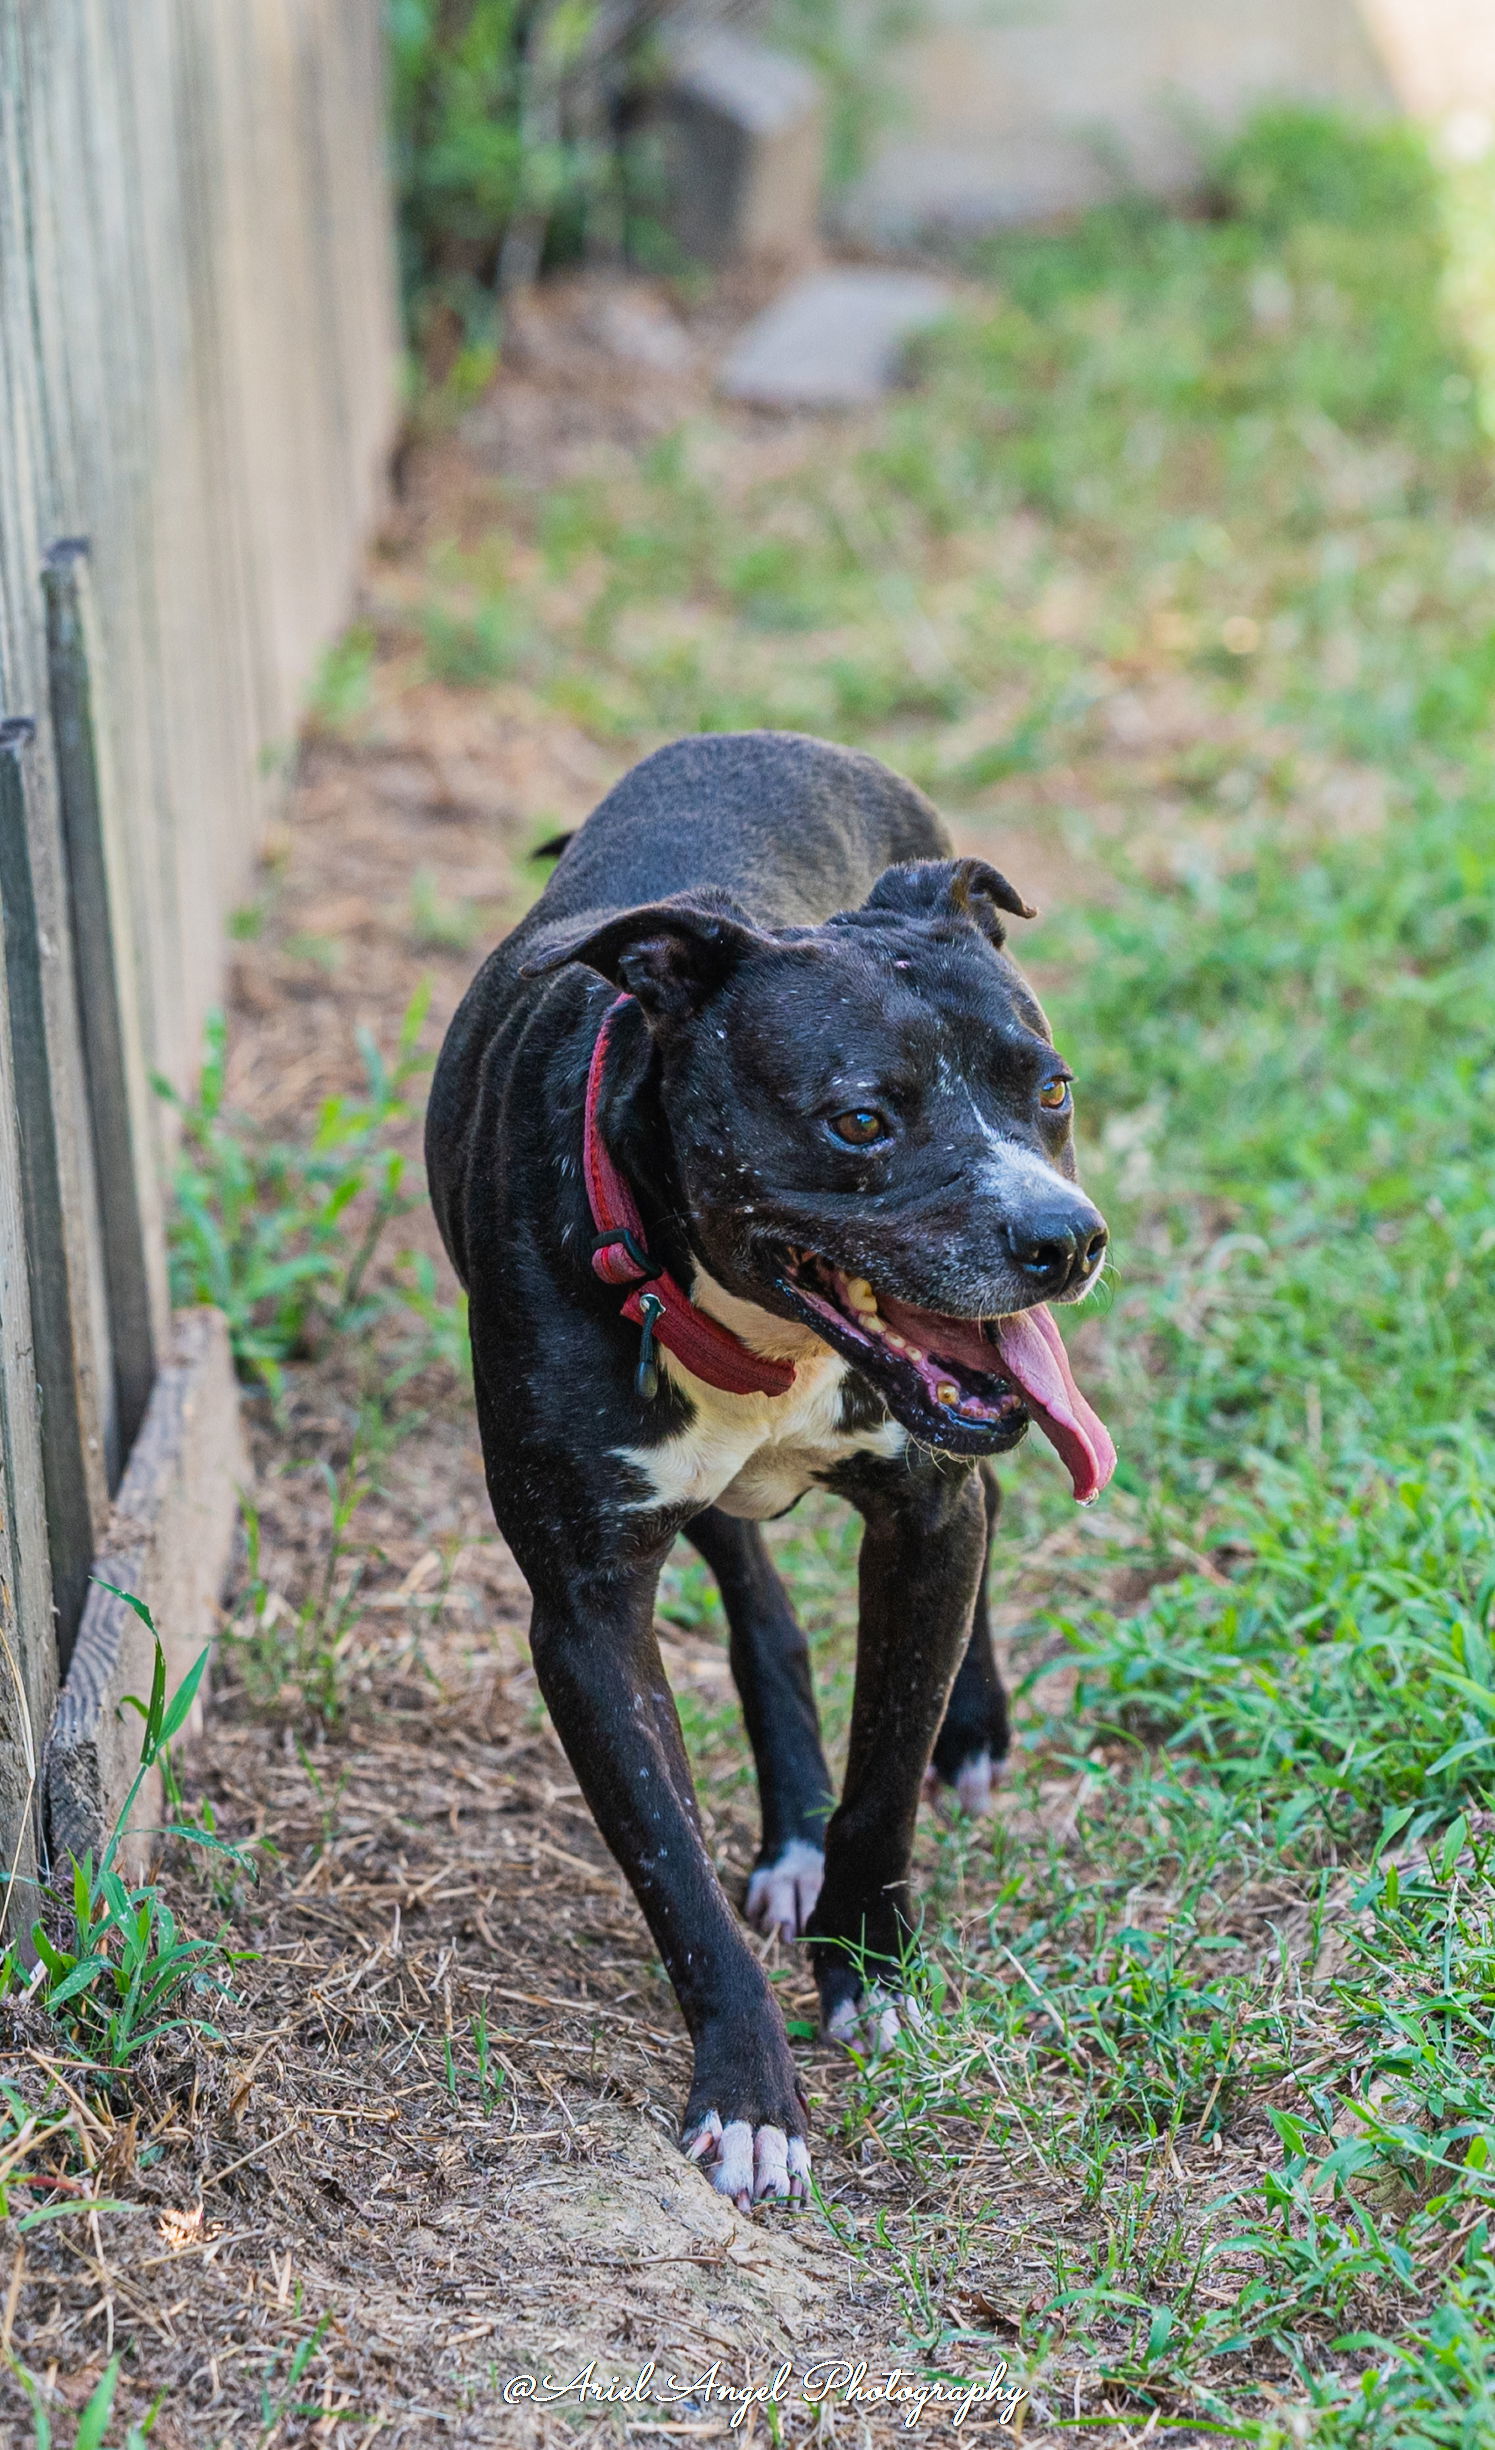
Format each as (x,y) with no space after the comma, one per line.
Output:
(861,1296)
(947,1392)
(913,1352)
(891,1336)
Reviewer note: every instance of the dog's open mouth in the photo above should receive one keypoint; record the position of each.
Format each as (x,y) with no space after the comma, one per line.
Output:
(971,1385)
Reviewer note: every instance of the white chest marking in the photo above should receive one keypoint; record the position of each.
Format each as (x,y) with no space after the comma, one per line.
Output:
(753,1455)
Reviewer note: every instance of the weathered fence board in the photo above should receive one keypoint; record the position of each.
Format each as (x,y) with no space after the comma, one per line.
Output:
(119,1112)
(197,391)
(58,1191)
(29,1668)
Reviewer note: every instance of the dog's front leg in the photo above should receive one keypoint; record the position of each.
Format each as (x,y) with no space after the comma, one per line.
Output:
(922,1556)
(972,1744)
(771,1669)
(600,1672)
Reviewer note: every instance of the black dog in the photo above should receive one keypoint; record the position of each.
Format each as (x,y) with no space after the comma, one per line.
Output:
(754,1154)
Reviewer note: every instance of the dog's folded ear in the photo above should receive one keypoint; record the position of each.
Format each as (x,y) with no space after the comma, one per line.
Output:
(673,956)
(950,889)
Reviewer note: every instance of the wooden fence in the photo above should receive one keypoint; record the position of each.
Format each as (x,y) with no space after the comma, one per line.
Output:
(197,390)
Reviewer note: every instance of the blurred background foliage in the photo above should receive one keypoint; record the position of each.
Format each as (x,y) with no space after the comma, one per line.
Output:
(509,125)
(523,139)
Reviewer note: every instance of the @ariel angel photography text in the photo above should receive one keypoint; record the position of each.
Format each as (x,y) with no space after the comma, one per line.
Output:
(840,2382)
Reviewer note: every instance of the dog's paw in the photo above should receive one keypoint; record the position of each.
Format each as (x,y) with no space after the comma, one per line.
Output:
(750,2164)
(781,1895)
(871,2022)
(972,1788)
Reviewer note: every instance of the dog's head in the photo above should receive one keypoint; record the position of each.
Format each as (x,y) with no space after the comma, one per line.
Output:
(874,1136)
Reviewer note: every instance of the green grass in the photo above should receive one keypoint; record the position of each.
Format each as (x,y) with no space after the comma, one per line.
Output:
(1308,1274)
(1259,1936)
(1245,449)
(286,1236)
(107,1961)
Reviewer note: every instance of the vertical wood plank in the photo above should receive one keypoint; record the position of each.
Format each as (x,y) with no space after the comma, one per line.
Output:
(123,1141)
(72,1475)
(28,1648)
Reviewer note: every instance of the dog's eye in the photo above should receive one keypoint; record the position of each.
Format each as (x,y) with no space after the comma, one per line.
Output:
(1054,1096)
(860,1127)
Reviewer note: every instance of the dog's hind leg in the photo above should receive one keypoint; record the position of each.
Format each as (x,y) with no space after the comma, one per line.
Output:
(972,1744)
(771,1668)
(921,1564)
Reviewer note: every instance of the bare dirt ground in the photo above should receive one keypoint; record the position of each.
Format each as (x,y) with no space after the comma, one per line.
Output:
(434,2153)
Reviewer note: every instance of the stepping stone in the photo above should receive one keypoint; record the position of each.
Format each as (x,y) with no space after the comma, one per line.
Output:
(833,340)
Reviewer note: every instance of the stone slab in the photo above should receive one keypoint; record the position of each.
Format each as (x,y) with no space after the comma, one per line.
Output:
(833,340)
(169,1539)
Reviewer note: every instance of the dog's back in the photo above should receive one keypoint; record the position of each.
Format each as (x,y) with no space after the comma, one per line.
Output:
(790,828)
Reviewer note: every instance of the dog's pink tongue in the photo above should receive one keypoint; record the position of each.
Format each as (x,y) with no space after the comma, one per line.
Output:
(1034,1358)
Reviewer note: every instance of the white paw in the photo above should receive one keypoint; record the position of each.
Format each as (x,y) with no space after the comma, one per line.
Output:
(870,2025)
(751,2164)
(781,1895)
(974,1790)
(976,1784)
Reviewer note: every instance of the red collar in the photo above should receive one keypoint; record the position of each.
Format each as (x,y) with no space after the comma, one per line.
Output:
(657,1304)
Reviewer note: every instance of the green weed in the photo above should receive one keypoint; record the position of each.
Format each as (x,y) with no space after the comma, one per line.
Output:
(468,651)
(1430,2388)
(343,683)
(114,1975)
(282,1235)
(436,924)
(277,2407)
(487,2074)
(113,1970)
(502,140)
(438,1338)
(93,2419)
(298,1658)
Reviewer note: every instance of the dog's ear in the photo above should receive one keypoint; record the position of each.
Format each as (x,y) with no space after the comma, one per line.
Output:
(673,956)
(949,889)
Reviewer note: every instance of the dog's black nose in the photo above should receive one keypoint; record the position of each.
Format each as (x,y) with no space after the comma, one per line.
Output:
(1058,1247)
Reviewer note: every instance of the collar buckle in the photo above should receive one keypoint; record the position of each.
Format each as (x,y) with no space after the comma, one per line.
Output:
(644,1271)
